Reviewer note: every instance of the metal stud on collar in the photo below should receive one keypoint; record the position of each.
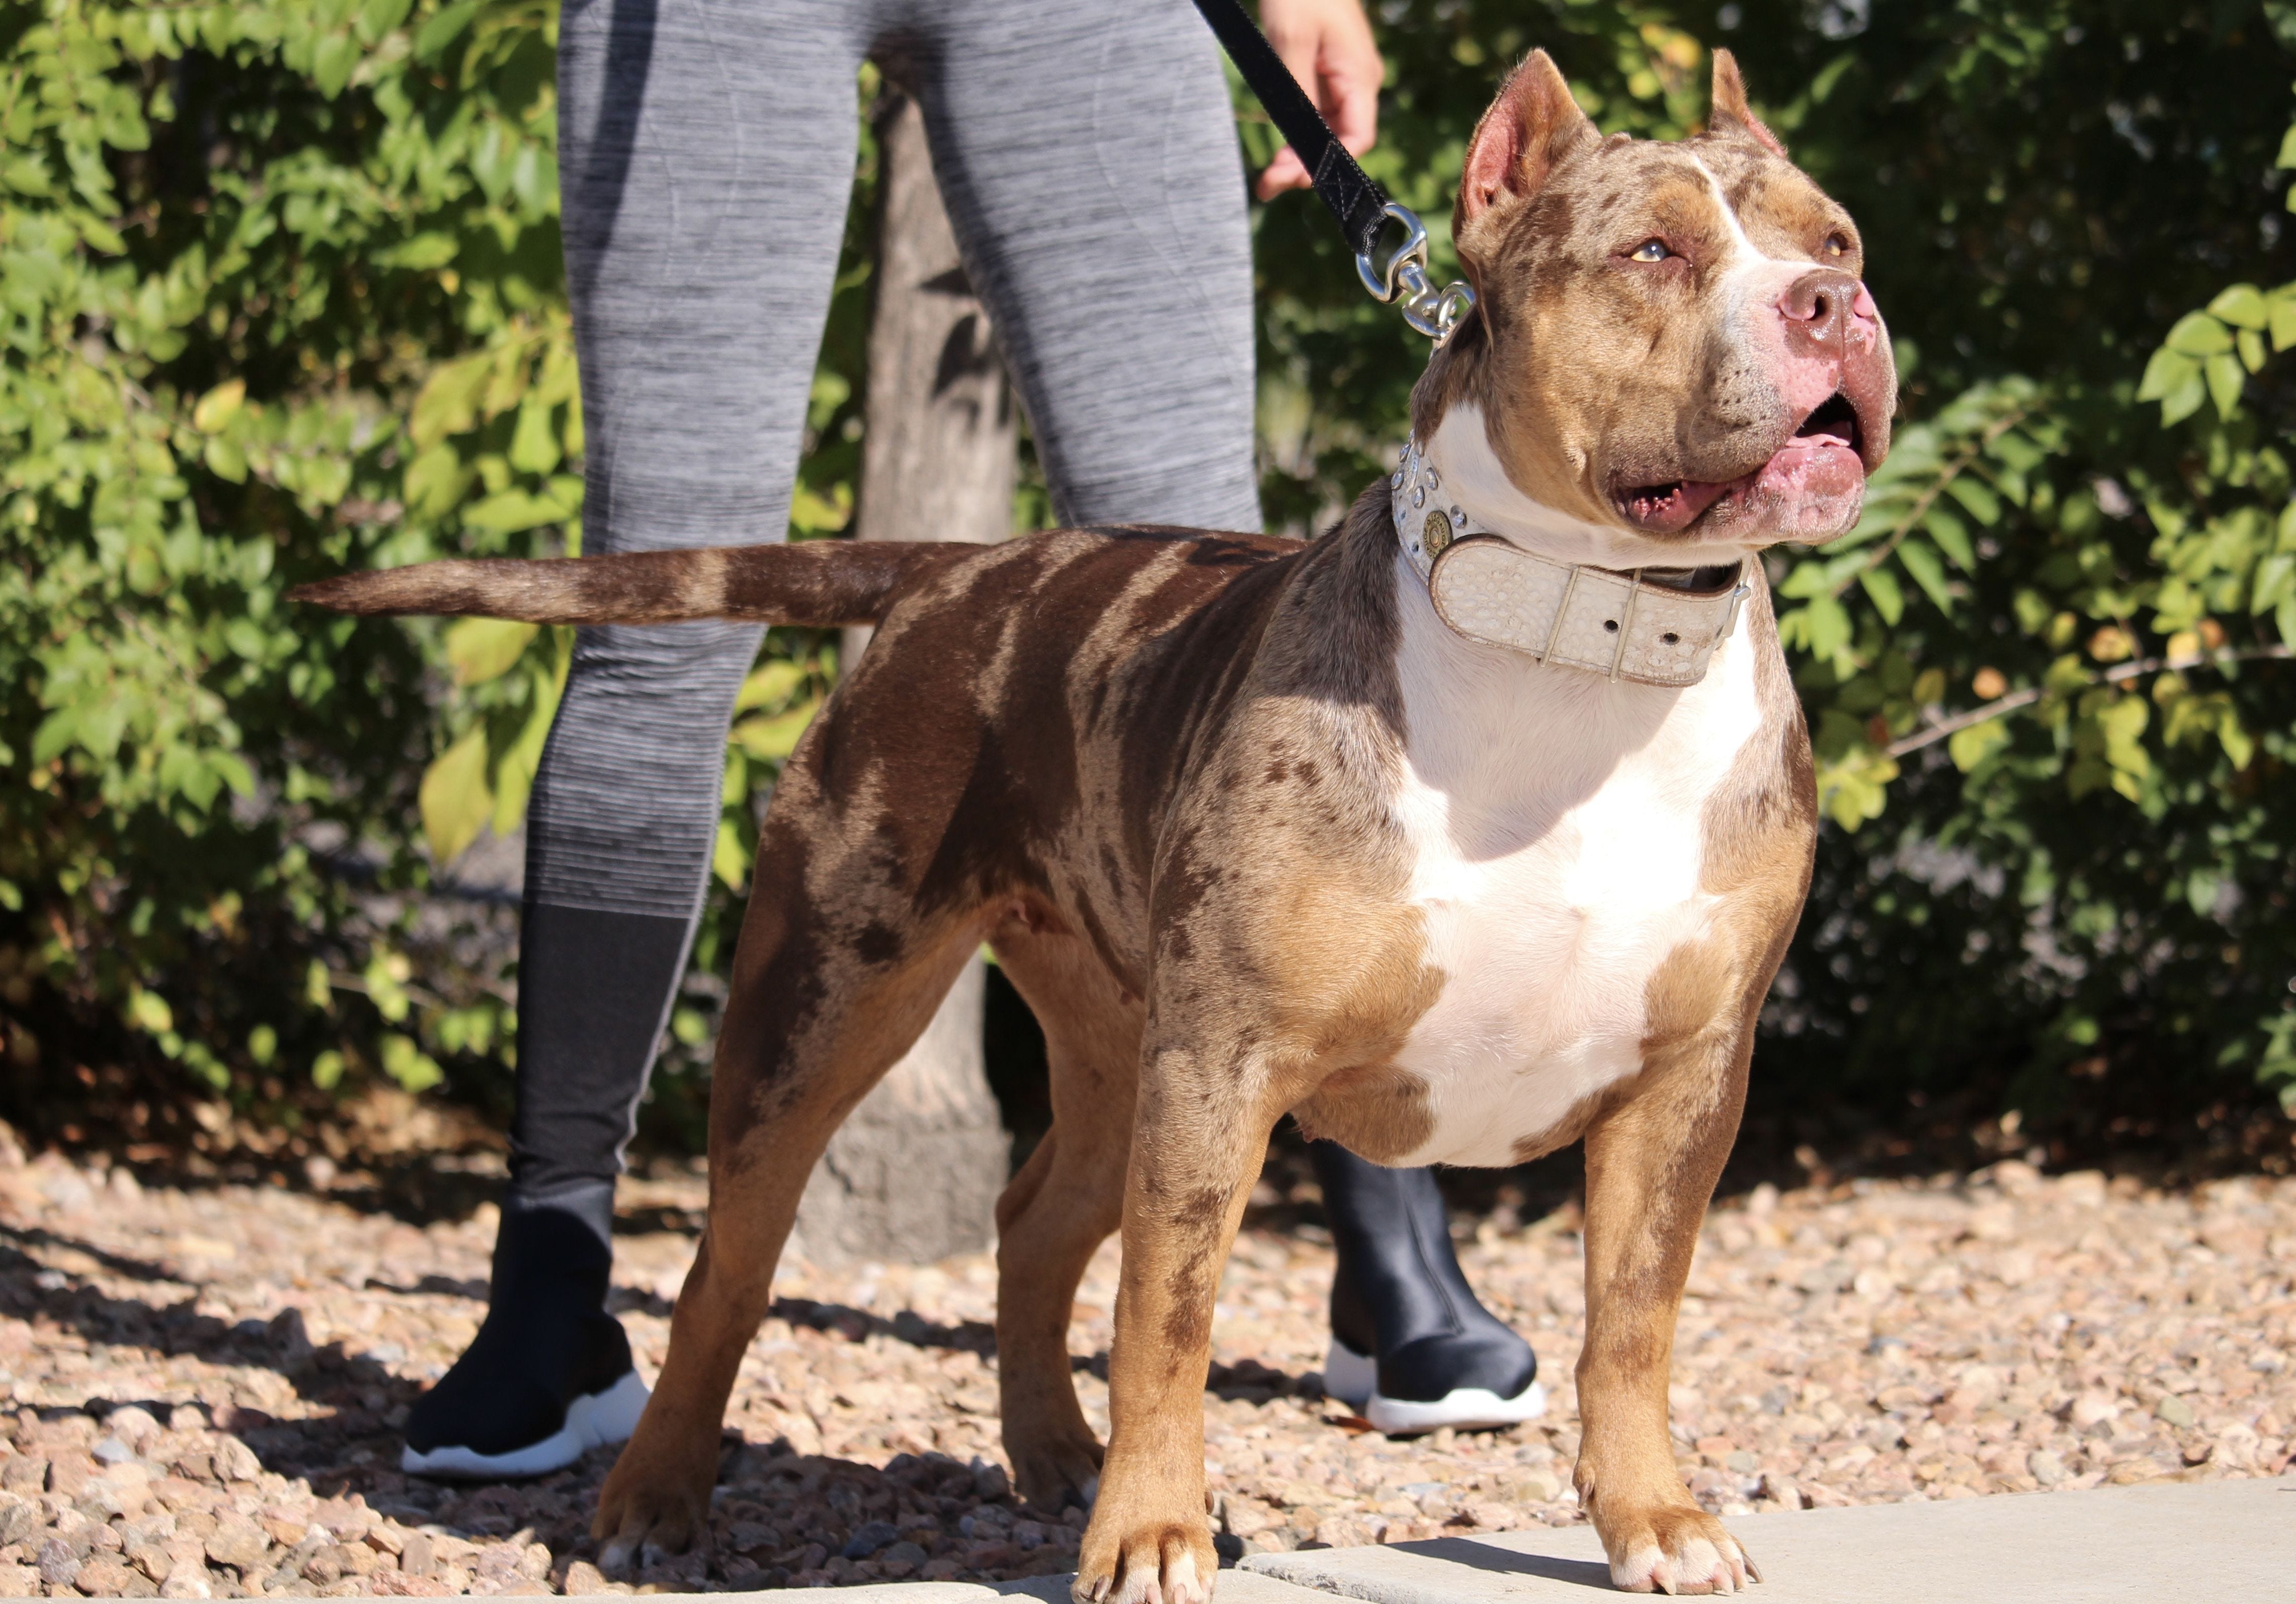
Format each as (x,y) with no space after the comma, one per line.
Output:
(1433,312)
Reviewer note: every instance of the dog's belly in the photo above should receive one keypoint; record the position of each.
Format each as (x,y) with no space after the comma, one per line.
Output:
(1557,859)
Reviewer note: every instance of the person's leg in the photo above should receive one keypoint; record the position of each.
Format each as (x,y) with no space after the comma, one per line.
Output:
(1087,153)
(1411,1348)
(706,154)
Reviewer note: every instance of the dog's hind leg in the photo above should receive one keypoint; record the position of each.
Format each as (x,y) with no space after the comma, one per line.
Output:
(1200,1133)
(828,994)
(1062,1204)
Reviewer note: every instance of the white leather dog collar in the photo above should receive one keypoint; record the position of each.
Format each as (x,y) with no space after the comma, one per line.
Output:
(1649,626)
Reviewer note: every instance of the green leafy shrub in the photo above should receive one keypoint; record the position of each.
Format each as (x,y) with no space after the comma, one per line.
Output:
(283,296)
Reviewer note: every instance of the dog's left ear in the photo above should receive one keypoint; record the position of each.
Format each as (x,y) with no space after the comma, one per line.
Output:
(1732,118)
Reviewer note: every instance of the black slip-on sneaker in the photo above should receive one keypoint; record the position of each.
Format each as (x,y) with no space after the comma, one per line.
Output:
(547,1378)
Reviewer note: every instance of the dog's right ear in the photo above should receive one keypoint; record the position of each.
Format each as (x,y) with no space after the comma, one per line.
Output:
(1530,130)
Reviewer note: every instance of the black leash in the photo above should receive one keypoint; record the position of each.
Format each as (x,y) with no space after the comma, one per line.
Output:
(1362,208)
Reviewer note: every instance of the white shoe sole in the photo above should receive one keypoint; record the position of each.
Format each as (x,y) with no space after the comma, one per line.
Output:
(1353,1379)
(592,1421)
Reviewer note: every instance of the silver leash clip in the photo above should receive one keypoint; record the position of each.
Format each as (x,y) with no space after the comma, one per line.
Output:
(1436,312)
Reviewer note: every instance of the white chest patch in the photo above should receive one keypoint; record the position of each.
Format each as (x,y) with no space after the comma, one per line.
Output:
(1555,819)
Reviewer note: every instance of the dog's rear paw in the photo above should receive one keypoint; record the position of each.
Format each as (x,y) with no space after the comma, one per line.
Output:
(641,1524)
(1153,1563)
(1681,1552)
(1054,1471)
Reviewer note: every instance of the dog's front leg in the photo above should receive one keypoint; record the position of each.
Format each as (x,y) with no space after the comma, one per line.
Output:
(1652,1163)
(1199,1137)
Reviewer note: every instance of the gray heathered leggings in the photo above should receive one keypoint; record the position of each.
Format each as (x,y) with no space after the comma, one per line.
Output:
(1088,161)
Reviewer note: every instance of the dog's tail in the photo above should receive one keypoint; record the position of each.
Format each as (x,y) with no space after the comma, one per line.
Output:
(819,584)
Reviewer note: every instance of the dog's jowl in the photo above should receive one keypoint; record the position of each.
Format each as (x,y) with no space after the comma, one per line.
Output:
(1474,828)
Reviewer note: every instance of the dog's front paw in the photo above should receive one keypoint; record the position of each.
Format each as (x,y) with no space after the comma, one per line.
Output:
(648,1513)
(1678,1550)
(1145,1560)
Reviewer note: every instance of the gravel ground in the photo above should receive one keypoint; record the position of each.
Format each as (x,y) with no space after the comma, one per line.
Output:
(205,1382)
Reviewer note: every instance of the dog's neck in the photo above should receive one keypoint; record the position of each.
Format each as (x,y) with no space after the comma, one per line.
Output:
(1505,570)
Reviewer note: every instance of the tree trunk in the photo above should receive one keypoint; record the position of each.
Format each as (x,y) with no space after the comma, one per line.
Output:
(913,1176)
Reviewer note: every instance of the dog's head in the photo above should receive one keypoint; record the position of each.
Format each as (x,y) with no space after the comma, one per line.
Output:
(1675,340)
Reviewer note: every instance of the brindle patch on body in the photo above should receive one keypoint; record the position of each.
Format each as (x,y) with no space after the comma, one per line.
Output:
(1166,774)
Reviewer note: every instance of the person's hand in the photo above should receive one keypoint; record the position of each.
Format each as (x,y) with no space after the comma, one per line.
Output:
(1328,46)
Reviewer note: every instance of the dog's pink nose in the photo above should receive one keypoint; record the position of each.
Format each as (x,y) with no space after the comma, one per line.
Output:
(1823,309)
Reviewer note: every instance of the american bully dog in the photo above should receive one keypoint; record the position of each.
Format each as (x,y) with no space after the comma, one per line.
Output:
(1476,826)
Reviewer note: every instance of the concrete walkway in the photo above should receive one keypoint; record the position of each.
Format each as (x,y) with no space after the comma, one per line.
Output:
(2153,1544)
(2163,1543)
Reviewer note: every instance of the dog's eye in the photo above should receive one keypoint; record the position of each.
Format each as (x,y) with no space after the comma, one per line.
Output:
(1649,250)
(1836,245)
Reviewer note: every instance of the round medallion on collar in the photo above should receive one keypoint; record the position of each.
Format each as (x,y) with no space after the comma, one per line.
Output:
(1436,533)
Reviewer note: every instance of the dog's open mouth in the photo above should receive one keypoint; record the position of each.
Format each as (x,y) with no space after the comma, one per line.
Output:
(1834,423)
(1822,457)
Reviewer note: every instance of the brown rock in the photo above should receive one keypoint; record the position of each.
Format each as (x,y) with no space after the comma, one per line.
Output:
(59,1567)
(69,1473)
(235,1461)
(106,1579)
(237,1542)
(284,1527)
(1248,1516)
(582,1577)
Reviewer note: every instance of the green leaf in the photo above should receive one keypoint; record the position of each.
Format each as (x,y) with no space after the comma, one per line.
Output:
(773,737)
(2167,372)
(377,18)
(447,402)
(219,406)
(1889,599)
(226,460)
(453,797)
(408,1064)
(814,515)
(436,481)
(534,445)
(1977,497)
(2183,401)
(1952,538)
(2243,306)
(484,648)
(149,1012)
(770,685)
(2198,335)
(730,861)
(1972,746)
(1919,560)
(443,29)
(2284,318)
(420,253)
(2226,380)
(514,510)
